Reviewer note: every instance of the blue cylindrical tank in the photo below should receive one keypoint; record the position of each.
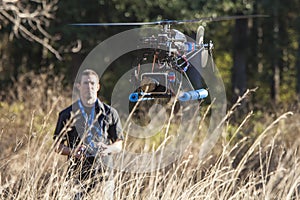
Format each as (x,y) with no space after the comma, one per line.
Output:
(193,95)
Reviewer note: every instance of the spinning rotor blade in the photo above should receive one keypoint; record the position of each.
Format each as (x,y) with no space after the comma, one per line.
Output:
(223,18)
(162,22)
(171,22)
(116,24)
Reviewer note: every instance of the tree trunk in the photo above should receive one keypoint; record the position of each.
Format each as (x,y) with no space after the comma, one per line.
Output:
(298,71)
(239,76)
(275,85)
(298,63)
(77,59)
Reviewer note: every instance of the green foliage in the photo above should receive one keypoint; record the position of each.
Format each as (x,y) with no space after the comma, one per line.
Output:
(270,41)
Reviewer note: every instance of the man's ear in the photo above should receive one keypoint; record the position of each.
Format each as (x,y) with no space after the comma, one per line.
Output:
(99,87)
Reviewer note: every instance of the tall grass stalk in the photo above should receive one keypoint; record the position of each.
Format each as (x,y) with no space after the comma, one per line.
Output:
(262,167)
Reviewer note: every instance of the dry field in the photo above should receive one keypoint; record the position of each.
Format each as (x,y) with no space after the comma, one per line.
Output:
(256,157)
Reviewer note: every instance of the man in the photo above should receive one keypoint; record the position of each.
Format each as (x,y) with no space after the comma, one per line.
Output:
(88,132)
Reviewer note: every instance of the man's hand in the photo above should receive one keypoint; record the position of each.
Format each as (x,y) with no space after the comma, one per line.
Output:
(63,149)
(79,152)
(105,149)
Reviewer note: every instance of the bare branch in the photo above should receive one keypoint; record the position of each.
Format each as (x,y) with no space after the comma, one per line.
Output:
(30,20)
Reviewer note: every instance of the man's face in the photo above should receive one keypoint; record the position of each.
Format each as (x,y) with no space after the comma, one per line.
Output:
(88,89)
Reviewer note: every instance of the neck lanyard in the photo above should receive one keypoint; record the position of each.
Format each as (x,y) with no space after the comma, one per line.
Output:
(89,119)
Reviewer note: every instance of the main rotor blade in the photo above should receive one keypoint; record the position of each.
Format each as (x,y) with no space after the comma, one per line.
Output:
(171,22)
(162,22)
(116,24)
(222,18)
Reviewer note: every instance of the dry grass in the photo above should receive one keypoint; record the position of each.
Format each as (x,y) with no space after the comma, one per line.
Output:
(262,164)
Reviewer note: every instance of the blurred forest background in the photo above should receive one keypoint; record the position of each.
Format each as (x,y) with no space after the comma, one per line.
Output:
(36,36)
(40,54)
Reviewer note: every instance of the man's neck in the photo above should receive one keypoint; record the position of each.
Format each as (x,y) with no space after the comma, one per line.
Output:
(89,103)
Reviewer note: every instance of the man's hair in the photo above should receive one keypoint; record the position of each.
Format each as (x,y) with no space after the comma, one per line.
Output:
(87,72)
